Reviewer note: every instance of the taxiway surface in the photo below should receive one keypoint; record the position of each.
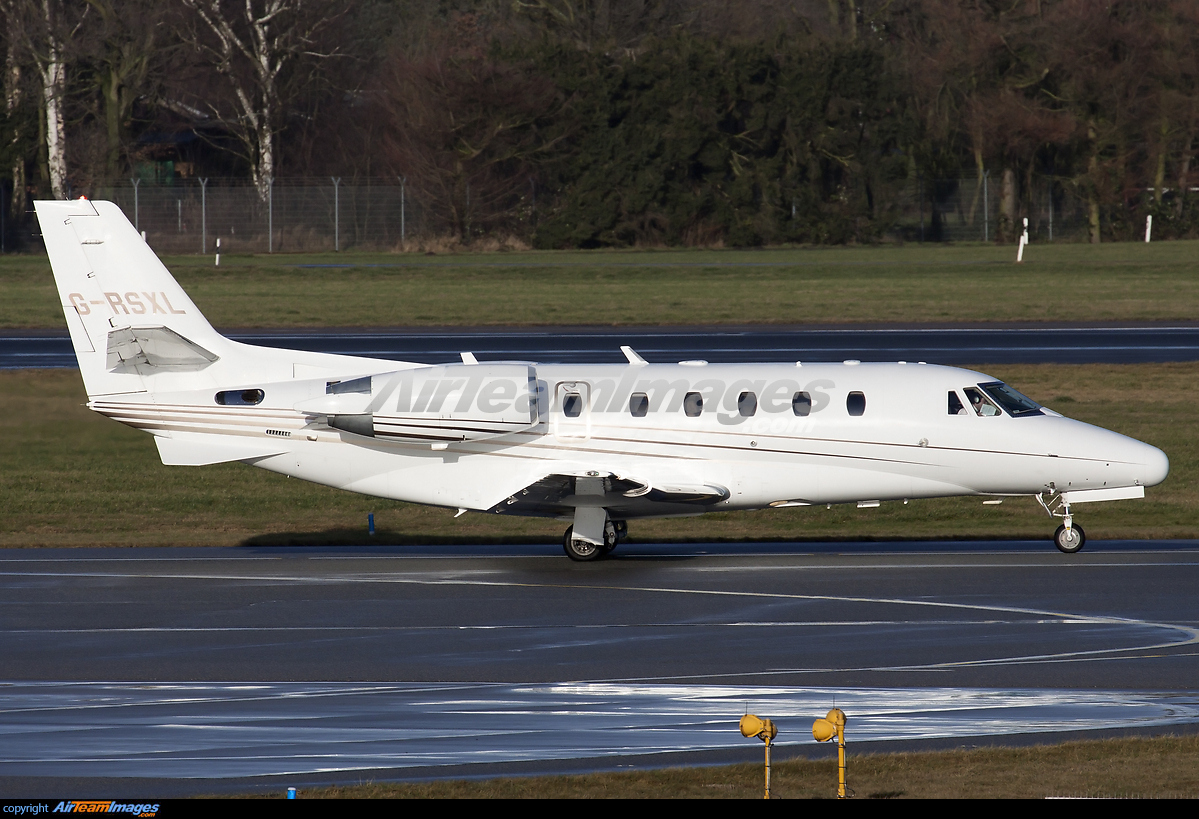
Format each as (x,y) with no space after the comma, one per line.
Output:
(311,662)
(996,344)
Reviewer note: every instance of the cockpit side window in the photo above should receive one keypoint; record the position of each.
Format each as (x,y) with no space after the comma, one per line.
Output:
(1017,404)
(955,404)
(982,405)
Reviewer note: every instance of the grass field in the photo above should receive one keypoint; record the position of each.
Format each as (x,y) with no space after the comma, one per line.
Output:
(913,283)
(1160,767)
(73,478)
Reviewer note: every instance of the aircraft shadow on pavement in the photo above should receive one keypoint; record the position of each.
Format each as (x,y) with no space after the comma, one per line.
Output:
(394,542)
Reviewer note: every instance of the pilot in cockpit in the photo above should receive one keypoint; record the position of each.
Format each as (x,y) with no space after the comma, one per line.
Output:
(981,405)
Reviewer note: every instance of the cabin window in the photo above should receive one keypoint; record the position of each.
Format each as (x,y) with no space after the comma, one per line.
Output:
(638,404)
(801,404)
(1017,404)
(693,404)
(982,405)
(747,404)
(240,398)
(855,403)
(572,405)
(956,407)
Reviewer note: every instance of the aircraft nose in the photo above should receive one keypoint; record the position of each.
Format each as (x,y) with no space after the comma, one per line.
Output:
(1156,465)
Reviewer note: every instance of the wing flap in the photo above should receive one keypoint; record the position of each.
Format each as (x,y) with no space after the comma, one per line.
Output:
(555,496)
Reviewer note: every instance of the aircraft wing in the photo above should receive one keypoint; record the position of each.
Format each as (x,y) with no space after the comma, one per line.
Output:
(624,497)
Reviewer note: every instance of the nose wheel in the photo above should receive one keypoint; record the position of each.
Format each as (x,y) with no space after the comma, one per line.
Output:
(1069,540)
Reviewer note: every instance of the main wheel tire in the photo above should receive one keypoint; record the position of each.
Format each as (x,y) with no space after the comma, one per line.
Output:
(579,550)
(1069,540)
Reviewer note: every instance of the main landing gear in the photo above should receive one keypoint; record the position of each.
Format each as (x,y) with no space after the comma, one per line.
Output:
(584,550)
(1069,537)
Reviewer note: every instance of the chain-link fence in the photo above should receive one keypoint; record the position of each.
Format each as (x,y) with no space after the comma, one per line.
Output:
(298,215)
(304,215)
(968,210)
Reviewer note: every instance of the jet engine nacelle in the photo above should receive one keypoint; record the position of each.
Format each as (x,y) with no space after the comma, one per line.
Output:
(436,405)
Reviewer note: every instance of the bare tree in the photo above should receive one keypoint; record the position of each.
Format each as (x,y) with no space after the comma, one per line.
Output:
(255,45)
(13,99)
(467,130)
(131,39)
(603,24)
(45,30)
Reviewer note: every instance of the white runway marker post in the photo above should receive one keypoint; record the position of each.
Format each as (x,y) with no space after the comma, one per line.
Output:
(1023,242)
(218,252)
(1148,227)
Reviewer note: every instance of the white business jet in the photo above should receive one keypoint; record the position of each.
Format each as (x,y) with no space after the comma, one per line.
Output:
(592,445)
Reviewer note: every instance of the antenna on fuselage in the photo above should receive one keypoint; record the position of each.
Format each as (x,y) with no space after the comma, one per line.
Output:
(632,356)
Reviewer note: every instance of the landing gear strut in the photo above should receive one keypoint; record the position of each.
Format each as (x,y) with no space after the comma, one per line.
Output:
(1069,537)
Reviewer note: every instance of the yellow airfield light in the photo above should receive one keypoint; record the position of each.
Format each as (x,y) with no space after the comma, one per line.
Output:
(752,726)
(833,725)
(763,729)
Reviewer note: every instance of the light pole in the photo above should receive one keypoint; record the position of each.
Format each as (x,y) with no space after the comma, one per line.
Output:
(833,725)
(763,729)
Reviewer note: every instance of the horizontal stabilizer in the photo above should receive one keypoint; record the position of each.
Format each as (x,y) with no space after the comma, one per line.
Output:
(131,348)
(202,450)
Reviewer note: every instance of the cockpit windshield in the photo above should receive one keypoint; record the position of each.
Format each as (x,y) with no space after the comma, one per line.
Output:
(1016,404)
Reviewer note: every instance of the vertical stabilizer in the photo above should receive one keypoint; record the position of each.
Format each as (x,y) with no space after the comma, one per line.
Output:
(127,315)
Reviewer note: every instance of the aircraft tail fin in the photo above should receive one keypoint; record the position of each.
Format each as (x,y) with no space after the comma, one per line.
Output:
(127,315)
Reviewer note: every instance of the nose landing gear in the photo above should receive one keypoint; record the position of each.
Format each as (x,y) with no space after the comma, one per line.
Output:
(1069,537)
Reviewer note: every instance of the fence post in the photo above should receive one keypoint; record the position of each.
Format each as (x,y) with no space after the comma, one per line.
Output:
(203,215)
(920,198)
(270,215)
(336,215)
(136,221)
(986,208)
(1051,208)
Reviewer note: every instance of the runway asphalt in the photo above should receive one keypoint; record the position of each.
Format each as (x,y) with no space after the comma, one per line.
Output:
(318,664)
(996,344)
